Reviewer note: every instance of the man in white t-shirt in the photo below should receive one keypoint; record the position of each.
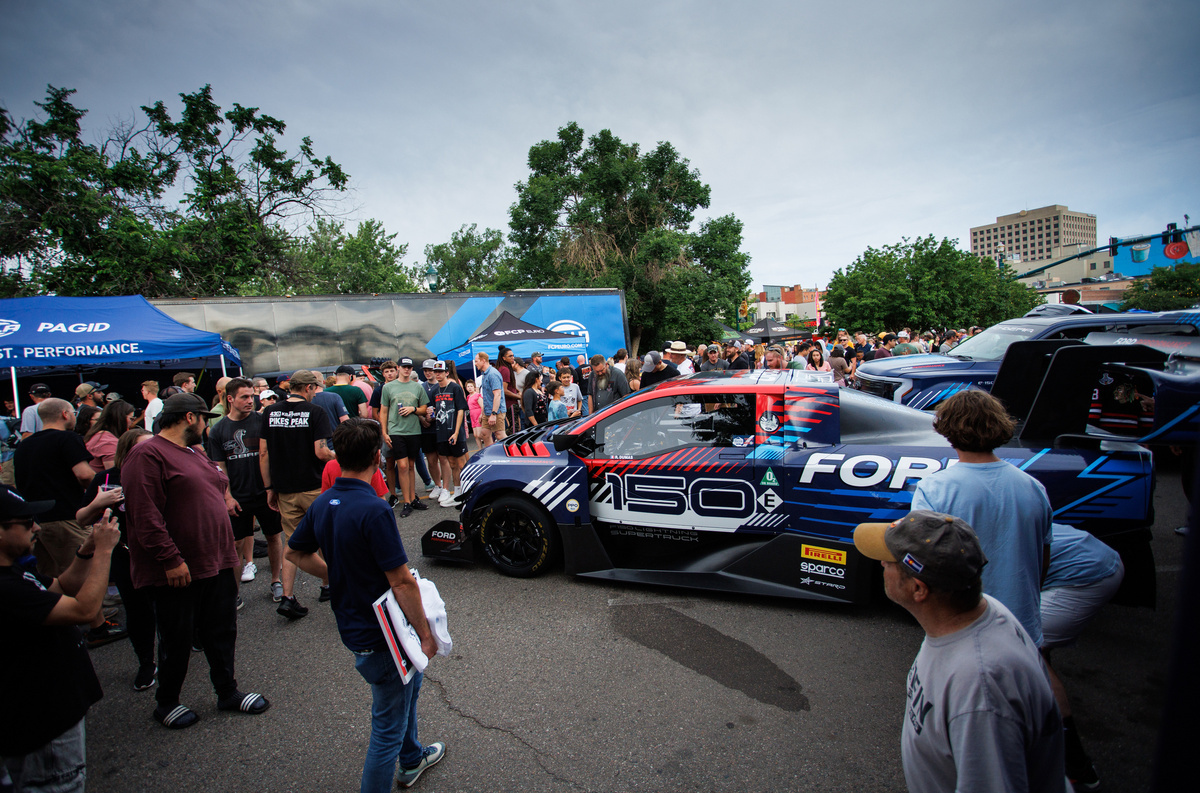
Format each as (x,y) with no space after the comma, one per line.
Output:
(154,405)
(678,353)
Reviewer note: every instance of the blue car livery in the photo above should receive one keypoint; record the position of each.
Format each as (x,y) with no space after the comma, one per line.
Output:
(747,481)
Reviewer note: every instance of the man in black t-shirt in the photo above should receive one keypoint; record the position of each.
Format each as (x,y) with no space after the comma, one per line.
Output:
(297,434)
(450,416)
(655,369)
(53,465)
(49,680)
(233,444)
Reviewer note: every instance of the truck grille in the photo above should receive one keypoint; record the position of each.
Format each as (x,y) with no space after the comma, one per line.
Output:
(882,388)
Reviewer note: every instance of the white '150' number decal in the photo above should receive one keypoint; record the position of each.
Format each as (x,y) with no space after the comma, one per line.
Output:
(674,495)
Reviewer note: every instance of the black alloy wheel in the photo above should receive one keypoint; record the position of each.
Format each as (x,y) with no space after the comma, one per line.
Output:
(518,536)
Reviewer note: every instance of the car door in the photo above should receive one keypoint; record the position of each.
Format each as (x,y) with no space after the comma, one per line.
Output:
(682,461)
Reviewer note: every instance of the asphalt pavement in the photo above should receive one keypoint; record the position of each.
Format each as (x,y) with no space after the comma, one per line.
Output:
(562,684)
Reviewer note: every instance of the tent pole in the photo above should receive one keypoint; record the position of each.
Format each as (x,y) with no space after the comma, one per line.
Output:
(223,372)
(16,401)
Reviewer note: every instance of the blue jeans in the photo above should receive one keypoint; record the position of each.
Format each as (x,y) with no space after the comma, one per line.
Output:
(393,720)
(58,767)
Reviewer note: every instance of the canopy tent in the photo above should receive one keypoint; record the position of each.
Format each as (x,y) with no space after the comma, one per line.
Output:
(768,330)
(522,337)
(75,332)
(729,334)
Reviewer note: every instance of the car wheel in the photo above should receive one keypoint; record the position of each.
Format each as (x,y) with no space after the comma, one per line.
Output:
(518,536)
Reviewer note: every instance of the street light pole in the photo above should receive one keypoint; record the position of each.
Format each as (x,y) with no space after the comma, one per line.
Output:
(431,277)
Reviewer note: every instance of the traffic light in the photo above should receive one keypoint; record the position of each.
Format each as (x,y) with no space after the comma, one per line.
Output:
(1112,247)
(1171,234)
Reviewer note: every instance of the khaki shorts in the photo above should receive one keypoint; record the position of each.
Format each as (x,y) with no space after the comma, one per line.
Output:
(496,429)
(292,507)
(56,545)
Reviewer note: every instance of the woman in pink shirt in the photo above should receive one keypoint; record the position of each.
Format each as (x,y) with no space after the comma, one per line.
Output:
(109,426)
(816,361)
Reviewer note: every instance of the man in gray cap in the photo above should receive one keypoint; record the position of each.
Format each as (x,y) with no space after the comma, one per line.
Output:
(980,712)
(655,369)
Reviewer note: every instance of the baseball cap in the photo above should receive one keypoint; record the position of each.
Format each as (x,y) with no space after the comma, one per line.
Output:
(85,388)
(903,334)
(12,505)
(406,362)
(344,369)
(112,396)
(941,550)
(889,337)
(428,363)
(39,389)
(439,366)
(305,377)
(187,403)
(651,361)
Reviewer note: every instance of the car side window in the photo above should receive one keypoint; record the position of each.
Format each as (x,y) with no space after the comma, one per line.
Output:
(668,423)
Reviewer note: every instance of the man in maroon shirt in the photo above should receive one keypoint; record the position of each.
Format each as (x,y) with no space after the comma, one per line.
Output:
(181,550)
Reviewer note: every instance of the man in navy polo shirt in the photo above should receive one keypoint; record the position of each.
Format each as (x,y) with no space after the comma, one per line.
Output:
(356,532)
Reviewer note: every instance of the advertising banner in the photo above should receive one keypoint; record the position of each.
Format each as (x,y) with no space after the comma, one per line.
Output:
(1142,257)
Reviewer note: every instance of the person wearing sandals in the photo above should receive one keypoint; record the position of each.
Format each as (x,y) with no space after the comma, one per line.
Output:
(181,549)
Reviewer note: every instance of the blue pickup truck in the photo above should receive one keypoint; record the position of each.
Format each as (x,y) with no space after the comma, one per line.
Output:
(922,381)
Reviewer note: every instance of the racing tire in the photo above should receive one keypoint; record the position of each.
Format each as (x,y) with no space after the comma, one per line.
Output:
(518,536)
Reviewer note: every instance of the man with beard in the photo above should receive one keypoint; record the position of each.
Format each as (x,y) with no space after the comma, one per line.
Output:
(89,400)
(181,549)
(608,384)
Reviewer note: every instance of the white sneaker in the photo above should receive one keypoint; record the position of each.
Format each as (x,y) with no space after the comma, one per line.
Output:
(249,571)
(435,493)
(447,499)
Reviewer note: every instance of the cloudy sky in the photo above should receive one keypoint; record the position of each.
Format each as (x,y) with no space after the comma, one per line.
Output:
(825,127)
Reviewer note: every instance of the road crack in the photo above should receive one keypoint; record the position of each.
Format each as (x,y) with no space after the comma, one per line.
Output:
(496,728)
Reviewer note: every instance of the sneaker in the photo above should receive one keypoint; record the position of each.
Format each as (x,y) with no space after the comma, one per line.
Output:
(112,597)
(146,677)
(435,493)
(324,597)
(101,635)
(240,603)
(276,591)
(291,609)
(416,504)
(428,485)
(404,513)
(393,500)
(260,549)
(448,499)
(248,572)
(434,752)
(110,612)
(1084,777)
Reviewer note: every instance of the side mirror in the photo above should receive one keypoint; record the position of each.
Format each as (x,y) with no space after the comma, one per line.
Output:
(564,442)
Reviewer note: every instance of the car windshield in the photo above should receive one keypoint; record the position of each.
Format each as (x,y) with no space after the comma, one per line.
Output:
(991,344)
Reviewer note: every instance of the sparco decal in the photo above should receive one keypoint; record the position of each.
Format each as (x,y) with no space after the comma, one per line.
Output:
(829,571)
(868,470)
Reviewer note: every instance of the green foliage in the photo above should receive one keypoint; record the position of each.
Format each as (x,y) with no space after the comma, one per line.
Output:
(470,261)
(924,284)
(1167,289)
(330,262)
(82,219)
(605,215)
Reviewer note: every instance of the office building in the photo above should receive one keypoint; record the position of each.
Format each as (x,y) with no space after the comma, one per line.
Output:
(1034,235)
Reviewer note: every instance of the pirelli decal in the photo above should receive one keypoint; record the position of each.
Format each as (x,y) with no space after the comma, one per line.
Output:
(823,554)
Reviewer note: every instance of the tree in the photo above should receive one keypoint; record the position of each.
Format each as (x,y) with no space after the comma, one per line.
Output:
(1167,289)
(604,214)
(330,262)
(82,219)
(924,284)
(469,261)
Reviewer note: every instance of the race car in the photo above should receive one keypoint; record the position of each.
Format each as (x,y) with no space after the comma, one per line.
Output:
(743,481)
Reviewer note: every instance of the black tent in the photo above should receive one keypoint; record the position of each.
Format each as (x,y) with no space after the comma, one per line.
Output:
(767,330)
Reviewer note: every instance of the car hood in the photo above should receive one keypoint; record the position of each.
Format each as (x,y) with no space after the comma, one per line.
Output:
(906,365)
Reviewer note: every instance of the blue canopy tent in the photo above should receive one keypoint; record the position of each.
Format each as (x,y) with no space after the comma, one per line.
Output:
(522,337)
(49,333)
